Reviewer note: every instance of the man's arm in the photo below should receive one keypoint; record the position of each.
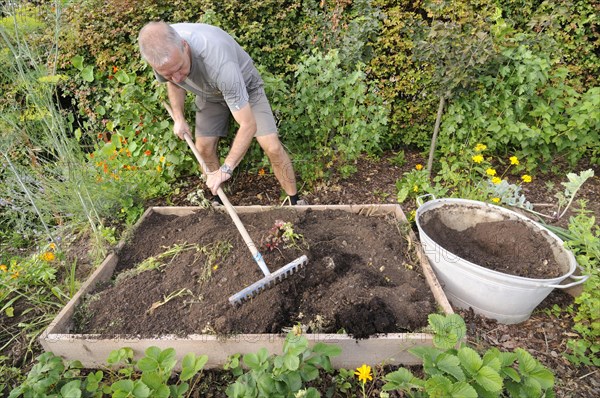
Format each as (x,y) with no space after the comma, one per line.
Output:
(177,99)
(241,143)
(243,138)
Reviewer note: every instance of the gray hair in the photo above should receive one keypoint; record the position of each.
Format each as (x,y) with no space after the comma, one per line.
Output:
(156,41)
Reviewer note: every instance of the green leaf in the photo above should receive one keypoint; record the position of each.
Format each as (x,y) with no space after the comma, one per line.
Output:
(291,362)
(294,381)
(265,384)
(191,365)
(167,359)
(451,365)
(438,386)
(309,372)
(148,364)
(527,363)
(77,62)
(255,361)
(123,386)
(448,330)
(470,360)
(331,350)
(177,391)
(543,376)
(122,77)
(10,312)
(401,379)
(463,390)
(87,74)
(140,390)
(162,391)
(72,389)
(152,380)
(489,379)
(512,374)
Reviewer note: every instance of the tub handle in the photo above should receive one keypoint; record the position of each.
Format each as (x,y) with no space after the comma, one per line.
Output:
(579,279)
(420,198)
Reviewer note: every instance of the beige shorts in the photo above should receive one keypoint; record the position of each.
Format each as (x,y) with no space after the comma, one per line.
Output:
(213,118)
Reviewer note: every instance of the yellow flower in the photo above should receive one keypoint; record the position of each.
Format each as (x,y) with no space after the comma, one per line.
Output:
(526,178)
(480,147)
(416,188)
(514,160)
(162,159)
(364,373)
(158,168)
(496,200)
(15,275)
(419,166)
(215,267)
(490,172)
(3,268)
(496,180)
(477,158)
(48,256)
(261,172)
(52,246)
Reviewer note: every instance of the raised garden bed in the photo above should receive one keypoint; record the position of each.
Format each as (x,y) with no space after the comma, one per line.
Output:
(367,287)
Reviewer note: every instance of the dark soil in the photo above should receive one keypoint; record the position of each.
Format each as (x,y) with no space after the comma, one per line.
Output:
(507,246)
(359,278)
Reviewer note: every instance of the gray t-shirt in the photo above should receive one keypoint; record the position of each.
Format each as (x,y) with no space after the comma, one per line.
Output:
(221,70)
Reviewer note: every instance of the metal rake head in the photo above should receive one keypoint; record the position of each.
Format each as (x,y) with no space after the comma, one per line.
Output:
(268,281)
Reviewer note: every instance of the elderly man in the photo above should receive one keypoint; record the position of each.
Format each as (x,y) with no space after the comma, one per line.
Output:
(208,62)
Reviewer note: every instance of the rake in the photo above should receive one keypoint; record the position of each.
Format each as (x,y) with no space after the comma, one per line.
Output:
(270,278)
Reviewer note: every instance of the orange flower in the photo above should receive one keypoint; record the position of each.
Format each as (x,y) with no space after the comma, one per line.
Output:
(144,140)
(115,69)
(148,152)
(261,172)
(48,256)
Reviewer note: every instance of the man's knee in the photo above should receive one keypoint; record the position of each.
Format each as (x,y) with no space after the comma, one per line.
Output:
(273,147)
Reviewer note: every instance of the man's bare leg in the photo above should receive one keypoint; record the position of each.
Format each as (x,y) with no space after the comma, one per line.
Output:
(280,161)
(207,146)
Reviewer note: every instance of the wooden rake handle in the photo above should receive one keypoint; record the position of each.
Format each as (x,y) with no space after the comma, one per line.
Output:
(228,206)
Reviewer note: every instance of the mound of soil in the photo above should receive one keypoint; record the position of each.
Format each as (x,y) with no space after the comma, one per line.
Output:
(360,278)
(507,246)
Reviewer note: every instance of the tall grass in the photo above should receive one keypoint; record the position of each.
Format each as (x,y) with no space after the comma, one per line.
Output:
(45,179)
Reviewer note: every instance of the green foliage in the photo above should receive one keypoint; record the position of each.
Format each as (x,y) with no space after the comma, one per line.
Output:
(462,372)
(341,116)
(152,375)
(31,294)
(583,239)
(399,81)
(281,376)
(349,27)
(528,105)
(416,183)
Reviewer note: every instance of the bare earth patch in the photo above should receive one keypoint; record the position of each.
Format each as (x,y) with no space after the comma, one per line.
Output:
(360,278)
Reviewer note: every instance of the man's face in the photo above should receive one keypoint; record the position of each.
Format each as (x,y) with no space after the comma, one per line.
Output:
(177,68)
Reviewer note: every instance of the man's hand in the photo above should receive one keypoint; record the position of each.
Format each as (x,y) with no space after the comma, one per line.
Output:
(181,127)
(214,179)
